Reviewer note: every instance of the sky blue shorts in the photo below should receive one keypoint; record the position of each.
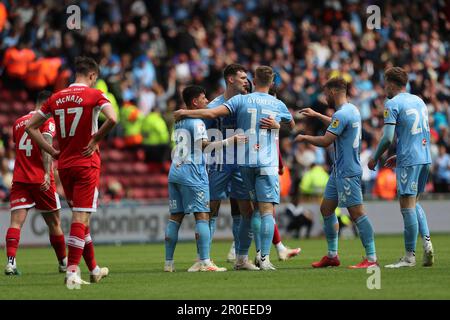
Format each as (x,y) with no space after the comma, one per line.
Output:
(346,191)
(263,183)
(188,199)
(227,183)
(412,180)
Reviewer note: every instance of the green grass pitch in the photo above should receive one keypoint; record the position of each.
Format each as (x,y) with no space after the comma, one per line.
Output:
(136,273)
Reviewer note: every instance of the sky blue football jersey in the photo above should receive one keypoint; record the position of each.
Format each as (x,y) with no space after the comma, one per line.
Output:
(188,161)
(223,124)
(346,125)
(261,149)
(409,114)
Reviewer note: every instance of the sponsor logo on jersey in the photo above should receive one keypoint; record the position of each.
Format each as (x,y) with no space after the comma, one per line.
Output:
(335,123)
(386,113)
(424,142)
(201,128)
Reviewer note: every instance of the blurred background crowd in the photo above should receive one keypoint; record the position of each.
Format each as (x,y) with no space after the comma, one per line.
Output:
(149,51)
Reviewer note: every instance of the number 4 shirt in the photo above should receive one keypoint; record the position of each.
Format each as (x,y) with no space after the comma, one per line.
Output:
(75,110)
(409,114)
(28,167)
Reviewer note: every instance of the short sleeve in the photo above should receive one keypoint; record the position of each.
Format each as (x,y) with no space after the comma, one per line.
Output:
(200,131)
(233,103)
(284,114)
(45,110)
(390,112)
(337,124)
(49,127)
(102,99)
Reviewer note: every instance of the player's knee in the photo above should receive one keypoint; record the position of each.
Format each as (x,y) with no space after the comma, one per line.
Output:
(80,217)
(53,222)
(356,212)
(178,217)
(407,201)
(16,225)
(202,216)
(17,219)
(325,210)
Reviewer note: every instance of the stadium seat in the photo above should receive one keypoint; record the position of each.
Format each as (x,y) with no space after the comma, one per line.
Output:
(17,107)
(4,120)
(126,168)
(112,167)
(140,181)
(139,193)
(4,107)
(115,155)
(163,193)
(152,194)
(6,95)
(22,95)
(140,168)
(162,180)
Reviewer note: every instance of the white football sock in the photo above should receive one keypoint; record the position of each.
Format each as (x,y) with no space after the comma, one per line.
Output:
(332,254)
(96,270)
(280,246)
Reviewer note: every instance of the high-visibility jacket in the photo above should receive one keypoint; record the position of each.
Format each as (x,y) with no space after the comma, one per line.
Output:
(131,120)
(16,61)
(154,130)
(386,184)
(42,73)
(314,181)
(285,182)
(3,16)
(103,87)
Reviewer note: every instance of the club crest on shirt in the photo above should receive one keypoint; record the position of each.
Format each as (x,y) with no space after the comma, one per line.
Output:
(335,123)
(201,128)
(386,113)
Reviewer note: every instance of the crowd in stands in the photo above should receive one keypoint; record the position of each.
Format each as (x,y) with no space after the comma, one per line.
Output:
(150,50)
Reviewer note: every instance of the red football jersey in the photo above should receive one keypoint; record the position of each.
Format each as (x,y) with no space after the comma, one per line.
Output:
(75,110)
(28,167)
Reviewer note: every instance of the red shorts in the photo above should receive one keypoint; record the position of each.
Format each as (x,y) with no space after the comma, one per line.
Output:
(81,187)
(29,195)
